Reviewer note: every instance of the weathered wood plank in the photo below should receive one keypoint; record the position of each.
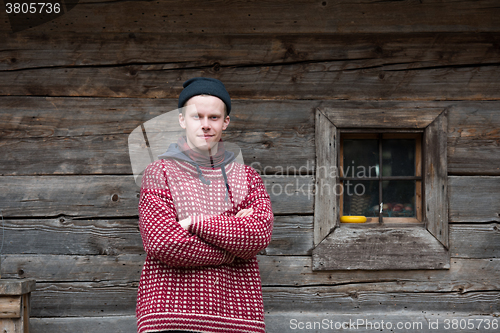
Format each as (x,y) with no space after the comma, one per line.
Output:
(77,196)
(112,298)
(353,301)
(64,235)
(286,322)
(10,307)
(474,139)
(56,125)
(475,240)
(299,16)
(116,324)
(84,299)
(376,117)
(292,235)
(474,199)
(108,154)
(310,80)
(117,196)
(68,133)
(45,117)
(386,248)
(61,268)
(31,49)
(435,200)
(462,275)
(400,321)
(326,205)
(284,271)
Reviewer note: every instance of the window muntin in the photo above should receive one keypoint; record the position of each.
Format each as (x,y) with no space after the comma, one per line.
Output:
(381,169)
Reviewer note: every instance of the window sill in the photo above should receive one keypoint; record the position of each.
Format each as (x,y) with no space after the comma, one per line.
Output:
(380,248)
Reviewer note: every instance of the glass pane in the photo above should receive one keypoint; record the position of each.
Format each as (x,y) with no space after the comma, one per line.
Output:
(398,197)
(398,157)
(361,198)
(360,158)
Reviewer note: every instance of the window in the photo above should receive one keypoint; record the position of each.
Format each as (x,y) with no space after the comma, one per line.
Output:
(397,238)
(381,176)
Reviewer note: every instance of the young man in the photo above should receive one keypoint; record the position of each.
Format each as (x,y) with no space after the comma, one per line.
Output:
(203,218)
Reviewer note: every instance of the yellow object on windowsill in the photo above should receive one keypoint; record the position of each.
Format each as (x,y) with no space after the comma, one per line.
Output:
(353,219)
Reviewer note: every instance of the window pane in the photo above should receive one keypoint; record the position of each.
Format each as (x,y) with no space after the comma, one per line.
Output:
(398,197)
(398,157)
(361,198)
(360,158)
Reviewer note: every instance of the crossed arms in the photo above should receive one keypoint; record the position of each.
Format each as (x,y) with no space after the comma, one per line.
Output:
(202,240)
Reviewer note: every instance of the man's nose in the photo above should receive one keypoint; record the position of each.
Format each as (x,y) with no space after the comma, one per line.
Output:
(204,122)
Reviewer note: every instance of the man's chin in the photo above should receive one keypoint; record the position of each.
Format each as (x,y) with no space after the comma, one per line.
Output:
(205,147)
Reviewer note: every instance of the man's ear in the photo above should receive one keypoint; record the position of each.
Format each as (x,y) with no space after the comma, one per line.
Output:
(226,123)
(182,121)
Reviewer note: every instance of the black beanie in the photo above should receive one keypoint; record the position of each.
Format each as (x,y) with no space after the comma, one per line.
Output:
(204,86)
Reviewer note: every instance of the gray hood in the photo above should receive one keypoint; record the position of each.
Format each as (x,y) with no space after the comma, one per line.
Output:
(174,152)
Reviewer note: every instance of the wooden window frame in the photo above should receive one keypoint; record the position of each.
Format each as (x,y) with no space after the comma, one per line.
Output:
(386,246)
(378,135)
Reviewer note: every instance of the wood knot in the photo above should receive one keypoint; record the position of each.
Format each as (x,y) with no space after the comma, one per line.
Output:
(216,66)
(114,197)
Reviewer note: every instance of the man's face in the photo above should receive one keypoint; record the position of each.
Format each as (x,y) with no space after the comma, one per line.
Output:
(204,122)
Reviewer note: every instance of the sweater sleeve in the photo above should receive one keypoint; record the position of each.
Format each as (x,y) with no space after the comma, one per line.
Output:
(163,237)
(246,236)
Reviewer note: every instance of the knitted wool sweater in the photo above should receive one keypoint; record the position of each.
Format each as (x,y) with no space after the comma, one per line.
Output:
(205,279)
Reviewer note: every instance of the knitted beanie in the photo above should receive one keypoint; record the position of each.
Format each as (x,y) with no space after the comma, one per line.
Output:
(204,86)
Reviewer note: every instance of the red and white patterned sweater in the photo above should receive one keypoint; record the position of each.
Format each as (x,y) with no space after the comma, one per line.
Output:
(205,279)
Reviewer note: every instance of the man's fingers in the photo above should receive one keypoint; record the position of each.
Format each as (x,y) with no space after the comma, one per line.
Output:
(244,212)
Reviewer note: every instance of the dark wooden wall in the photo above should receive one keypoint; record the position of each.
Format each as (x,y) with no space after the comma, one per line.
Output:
(72,89)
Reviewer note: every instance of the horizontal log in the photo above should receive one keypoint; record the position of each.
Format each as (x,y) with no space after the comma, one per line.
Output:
(310,80)
(475,240)
(474,139)
(316,299)
(110,298)
(380,321)
(282,271)
(67,236)
(474,199)
(109,154)
(46,117)
(299,16)
(66,133)
(31,49)
(83,299)
(117,324)
(118,196)
(292,235)
(288,322)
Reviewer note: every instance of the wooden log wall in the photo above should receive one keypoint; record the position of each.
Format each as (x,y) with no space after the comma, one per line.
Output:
(72,89)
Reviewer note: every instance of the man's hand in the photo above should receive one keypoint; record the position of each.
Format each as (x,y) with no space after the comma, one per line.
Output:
(244,212)
(188,221)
